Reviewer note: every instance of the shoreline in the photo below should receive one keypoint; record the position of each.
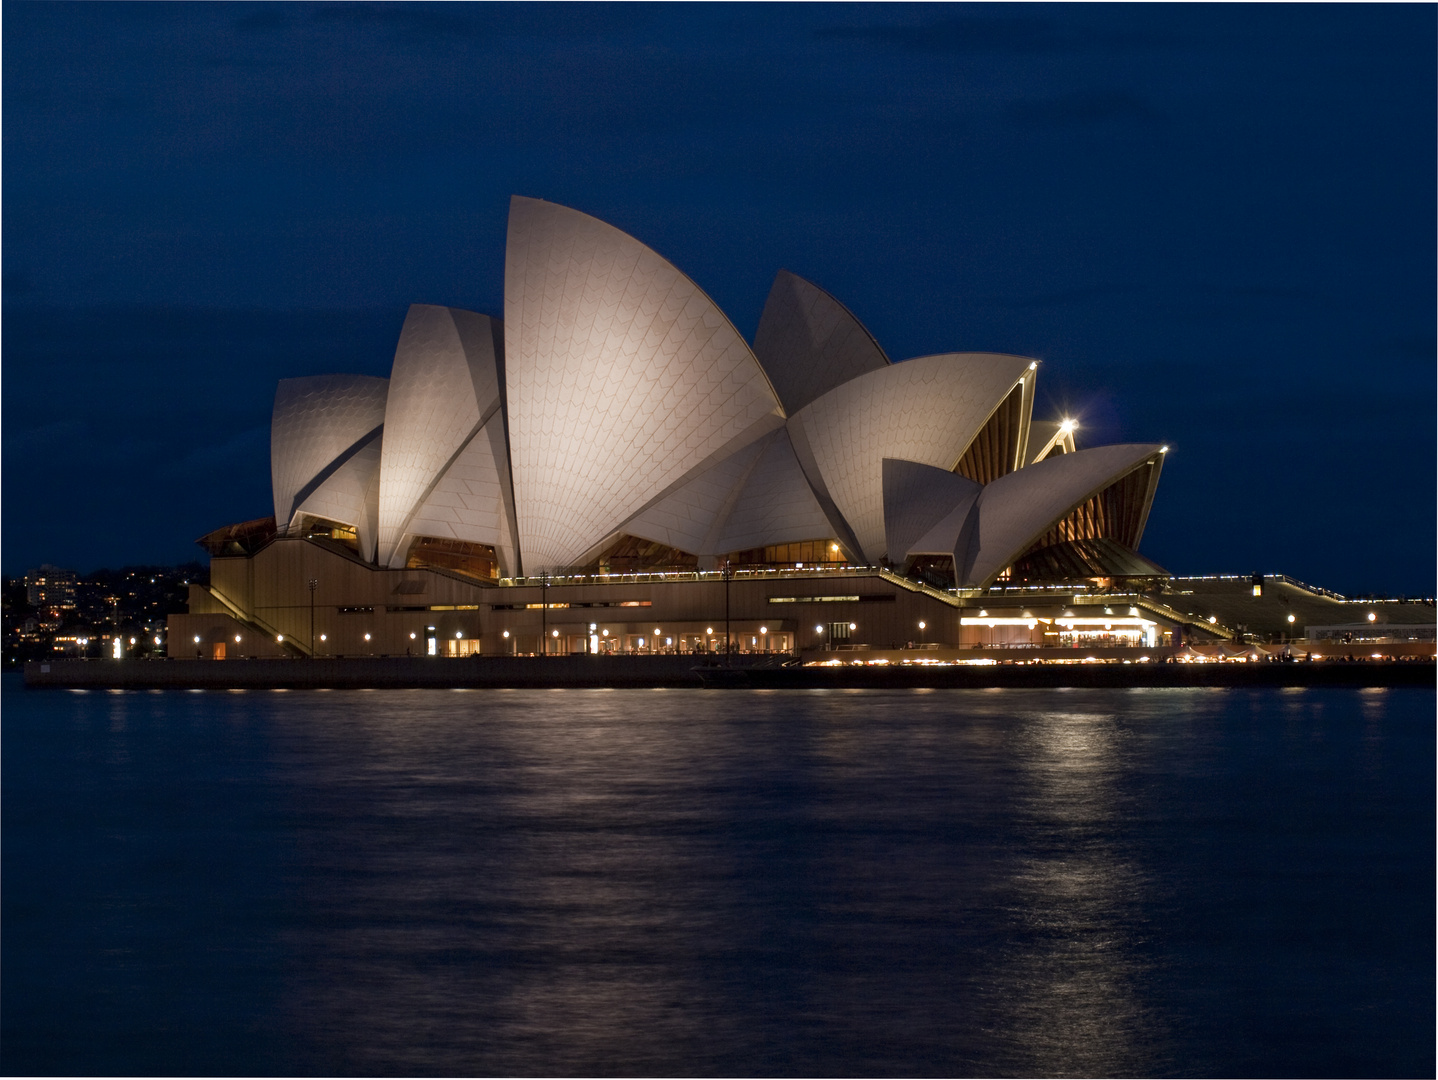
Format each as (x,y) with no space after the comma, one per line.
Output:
(639,672)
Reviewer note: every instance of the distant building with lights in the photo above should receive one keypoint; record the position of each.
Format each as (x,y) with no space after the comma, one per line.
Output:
(50,587)
(613,468)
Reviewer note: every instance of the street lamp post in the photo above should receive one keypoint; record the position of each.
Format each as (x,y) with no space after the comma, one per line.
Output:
(728,641)
(313,584)
(544,614)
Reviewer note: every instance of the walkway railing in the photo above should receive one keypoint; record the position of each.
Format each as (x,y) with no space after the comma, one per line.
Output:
(254,622)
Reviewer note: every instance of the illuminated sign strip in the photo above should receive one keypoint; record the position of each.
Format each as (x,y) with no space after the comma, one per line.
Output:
(1104,621)
(559,605)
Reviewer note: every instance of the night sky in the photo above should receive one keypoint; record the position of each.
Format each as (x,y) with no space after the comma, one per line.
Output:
(1213,225)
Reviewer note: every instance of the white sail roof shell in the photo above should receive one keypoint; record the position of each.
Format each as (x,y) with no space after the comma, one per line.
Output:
(924,508)
(926,410)
(689,518)
(444,386)
(628,403)
(622,378)
(809,342)
(752,498)
(318,422)
(1017,509)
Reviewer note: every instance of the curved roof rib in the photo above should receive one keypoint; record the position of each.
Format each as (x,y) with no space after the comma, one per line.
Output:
(622,378)
(1048,438)
(810,343)
(444,386)
(926,410)
(318,424)
(472,500)
(1017,509)
(350,494)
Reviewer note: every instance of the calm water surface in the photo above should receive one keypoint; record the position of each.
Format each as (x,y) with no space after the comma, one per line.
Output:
(1194,882)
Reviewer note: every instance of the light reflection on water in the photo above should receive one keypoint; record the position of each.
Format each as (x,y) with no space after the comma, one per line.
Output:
(632,882)
(1079,904)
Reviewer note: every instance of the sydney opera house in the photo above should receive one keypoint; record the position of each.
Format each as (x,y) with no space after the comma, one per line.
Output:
(614,468)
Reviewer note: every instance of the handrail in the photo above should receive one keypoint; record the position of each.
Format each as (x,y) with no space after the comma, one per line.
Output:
(253,621)
(648,576)
(920,587)
(1283,579)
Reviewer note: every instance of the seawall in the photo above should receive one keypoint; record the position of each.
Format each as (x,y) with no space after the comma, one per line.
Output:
(656,671)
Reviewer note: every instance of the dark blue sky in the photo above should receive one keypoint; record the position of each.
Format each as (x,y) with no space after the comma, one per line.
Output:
(1213,224)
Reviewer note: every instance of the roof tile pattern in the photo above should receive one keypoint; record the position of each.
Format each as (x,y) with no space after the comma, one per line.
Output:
(1015,510)
(622,377)
(926,410)
(433,409)
(316,420)
(810,343)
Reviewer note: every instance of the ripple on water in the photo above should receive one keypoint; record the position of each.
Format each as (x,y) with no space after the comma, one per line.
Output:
(627,882)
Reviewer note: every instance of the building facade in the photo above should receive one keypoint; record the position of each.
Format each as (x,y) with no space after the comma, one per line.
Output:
(611,467)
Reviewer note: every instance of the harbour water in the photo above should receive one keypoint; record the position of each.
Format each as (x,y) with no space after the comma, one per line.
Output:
(916,882)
